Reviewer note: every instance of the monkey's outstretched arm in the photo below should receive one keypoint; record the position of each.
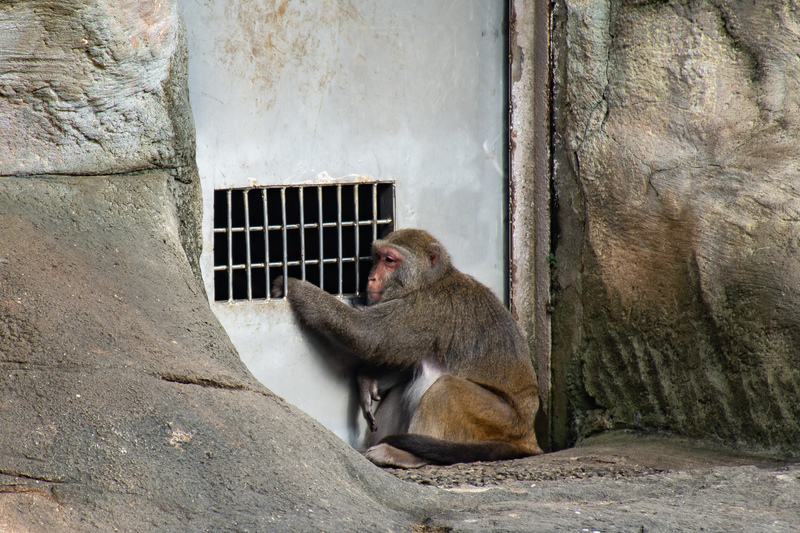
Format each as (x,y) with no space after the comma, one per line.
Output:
(325,313)
(374,333)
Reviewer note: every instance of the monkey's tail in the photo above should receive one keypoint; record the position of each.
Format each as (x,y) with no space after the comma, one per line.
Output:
(444,452)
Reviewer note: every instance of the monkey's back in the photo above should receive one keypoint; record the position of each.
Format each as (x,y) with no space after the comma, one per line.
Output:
(479,337)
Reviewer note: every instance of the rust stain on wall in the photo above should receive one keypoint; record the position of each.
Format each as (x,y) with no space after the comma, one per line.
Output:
(274,36)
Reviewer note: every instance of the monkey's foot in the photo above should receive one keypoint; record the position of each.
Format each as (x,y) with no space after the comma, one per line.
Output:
(385,455)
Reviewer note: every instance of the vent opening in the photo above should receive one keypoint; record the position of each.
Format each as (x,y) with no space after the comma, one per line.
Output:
(320,233)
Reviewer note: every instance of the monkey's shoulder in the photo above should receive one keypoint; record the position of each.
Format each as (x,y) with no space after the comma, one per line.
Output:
(465,290)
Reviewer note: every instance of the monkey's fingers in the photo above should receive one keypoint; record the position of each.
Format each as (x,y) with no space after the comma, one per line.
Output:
(277,288)
(365,402)
(373,425)
(366,410)
(373,391)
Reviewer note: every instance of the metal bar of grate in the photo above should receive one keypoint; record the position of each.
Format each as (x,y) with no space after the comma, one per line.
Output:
(283,233)
(248,255)
(230,246)
(374,212)
(321,244)
(339,234)
(302,235)
(267,280)
(357,231)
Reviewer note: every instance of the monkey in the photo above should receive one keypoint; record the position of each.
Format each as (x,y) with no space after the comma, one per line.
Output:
(447,359)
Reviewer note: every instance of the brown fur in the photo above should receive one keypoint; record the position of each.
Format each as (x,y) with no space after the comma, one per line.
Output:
(467,390)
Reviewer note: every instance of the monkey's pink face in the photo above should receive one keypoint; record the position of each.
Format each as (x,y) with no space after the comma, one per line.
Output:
(385,262)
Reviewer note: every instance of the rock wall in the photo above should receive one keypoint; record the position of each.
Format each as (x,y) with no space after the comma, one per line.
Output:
(99,88)
(677,182)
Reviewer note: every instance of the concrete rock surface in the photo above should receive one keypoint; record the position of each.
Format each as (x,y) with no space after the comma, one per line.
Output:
(623,481)
(93,88)
(677,242)
(87,84)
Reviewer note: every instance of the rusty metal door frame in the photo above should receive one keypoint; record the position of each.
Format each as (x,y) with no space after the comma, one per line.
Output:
(529,194)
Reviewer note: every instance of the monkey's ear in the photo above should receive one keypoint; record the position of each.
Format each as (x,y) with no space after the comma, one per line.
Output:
(434,253)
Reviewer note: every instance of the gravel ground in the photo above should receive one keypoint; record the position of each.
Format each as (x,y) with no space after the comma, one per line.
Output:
(620,482)
(618,455)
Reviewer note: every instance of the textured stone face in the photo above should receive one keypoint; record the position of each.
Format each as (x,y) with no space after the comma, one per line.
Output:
(679,189)
(92,88)
(83,85)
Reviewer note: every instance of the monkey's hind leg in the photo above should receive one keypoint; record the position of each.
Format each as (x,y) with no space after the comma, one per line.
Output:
(458,410)
(459,421)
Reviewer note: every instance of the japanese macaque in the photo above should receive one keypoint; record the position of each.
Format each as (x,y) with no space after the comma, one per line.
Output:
(447,361)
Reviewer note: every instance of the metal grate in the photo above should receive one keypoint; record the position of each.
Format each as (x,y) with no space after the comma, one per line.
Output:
(319,233)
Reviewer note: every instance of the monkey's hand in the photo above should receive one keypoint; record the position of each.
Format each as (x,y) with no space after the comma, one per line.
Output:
(367,393)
